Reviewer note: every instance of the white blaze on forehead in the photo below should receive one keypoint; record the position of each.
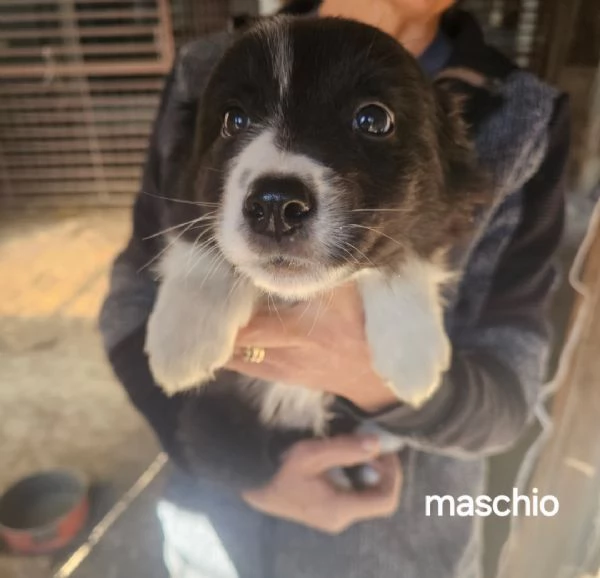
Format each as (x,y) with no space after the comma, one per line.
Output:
(262,156)
(279,45)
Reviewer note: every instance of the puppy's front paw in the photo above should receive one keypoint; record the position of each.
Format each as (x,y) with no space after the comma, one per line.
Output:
(196,317)
(187,340)
(414,365)
(405,329)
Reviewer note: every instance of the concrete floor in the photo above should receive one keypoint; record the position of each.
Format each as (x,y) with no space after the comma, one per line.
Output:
(60,405)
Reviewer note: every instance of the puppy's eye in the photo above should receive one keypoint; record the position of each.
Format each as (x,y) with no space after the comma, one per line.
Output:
(374,120)
(235,121)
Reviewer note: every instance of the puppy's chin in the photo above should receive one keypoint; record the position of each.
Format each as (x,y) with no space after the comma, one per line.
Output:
(294,280)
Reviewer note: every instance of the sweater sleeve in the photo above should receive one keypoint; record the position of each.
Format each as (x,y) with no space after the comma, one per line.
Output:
(499,361)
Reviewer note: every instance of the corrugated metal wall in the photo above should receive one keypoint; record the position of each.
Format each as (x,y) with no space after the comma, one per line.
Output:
(80,81)
(79,86)
(193,18)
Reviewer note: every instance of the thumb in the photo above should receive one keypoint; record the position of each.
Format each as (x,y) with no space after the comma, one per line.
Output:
(320,455)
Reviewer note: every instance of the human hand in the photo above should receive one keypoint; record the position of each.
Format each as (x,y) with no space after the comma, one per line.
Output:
(301,492)
(320,345)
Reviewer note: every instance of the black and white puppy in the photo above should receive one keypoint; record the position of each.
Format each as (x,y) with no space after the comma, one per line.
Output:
(319,153)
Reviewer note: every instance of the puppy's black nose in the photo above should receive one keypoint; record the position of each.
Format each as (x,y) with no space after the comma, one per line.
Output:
(278,206)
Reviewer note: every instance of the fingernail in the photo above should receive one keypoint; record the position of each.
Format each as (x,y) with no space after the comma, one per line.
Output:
(370,476)
(370,444)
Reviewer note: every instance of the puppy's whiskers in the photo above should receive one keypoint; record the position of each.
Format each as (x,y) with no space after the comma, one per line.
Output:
(207,217)
(197,250)
(233,287)
(354,261)
(165,249)
(306,308)
(359,252)
(403,245)
(380,211)
(269,298)
(214,170)
(216,263)
(321,309)
(181,201)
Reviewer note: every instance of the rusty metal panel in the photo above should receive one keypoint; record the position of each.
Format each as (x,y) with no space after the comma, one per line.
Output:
(80,82)
(194,18)
(74,140)
(80,79)
(73,38)
(79,85)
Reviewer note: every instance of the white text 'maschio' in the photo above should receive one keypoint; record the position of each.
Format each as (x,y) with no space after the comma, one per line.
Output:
(484,506)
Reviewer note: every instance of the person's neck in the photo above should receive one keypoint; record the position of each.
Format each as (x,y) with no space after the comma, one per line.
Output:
(414,35)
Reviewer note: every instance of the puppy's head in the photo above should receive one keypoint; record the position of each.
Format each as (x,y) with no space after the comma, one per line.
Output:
(322,150)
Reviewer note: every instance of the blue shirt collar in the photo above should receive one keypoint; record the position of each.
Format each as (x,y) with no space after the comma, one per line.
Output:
(436,55)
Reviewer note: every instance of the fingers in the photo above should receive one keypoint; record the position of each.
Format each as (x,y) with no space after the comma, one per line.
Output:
(380,501)
(384,497)
(301,492)
(264,371)
(314,457)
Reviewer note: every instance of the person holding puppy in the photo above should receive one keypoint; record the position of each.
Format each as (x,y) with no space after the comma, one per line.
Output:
(299,524)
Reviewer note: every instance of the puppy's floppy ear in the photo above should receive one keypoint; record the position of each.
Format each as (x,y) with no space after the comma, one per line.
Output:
(465,182)
(195,63)
(176,122)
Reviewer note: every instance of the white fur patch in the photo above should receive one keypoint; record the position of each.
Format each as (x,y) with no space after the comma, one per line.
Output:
(279,43)
(388,442)
(404,324)
(294,406)
(262,157)
(201,306)
(283,60)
